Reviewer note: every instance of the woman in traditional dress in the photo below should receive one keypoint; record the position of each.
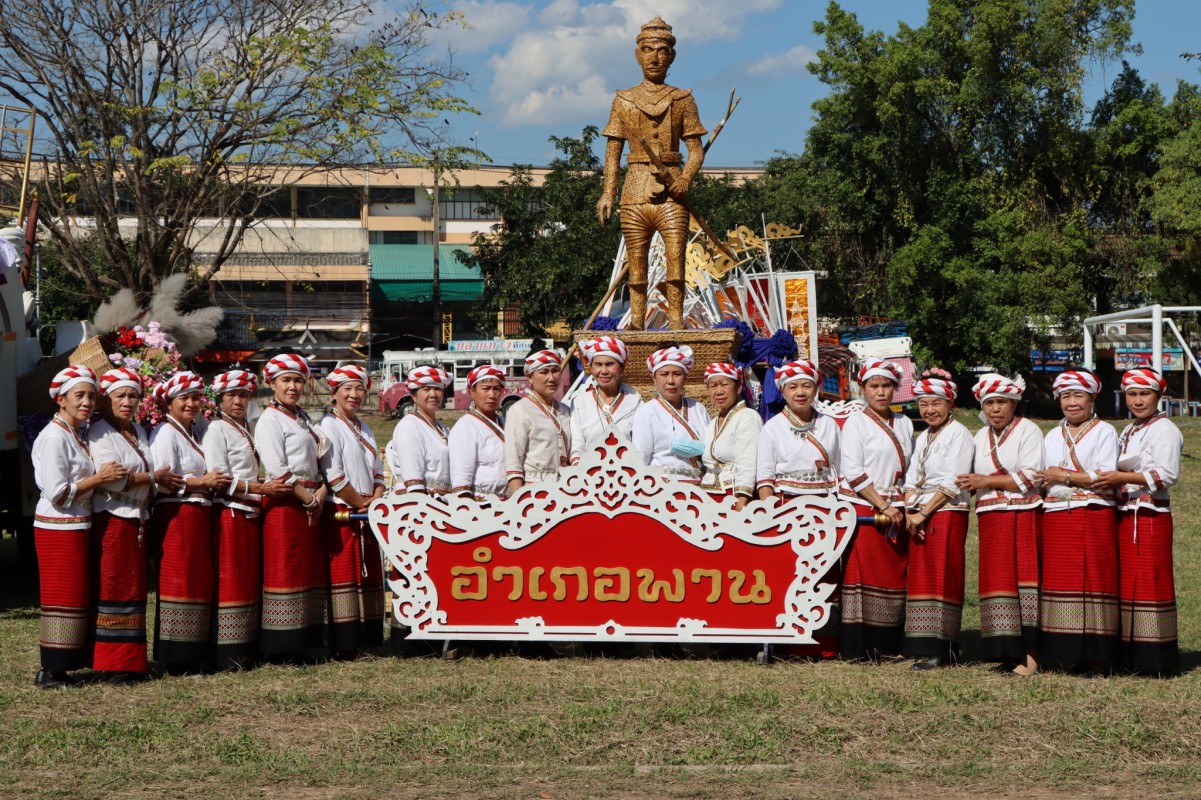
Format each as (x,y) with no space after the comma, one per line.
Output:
(477,441)
(183,532)
(237,521)
(1009,453)
(937,518)
(1078,608)
(799,455)
(66,476)
(538,427)
(876,445)
(607,402)
(295,594)
(419,455)
(732,438)
(120,521)
(669,429)
(420,458)
(1148,465)
(356,477)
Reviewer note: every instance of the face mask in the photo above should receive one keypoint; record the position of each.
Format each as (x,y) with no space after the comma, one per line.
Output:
(687,448)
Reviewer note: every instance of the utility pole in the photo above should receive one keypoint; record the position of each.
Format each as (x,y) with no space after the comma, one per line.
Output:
(436,288)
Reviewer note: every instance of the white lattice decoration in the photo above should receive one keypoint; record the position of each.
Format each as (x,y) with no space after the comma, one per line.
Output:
(840,409)
(611,480)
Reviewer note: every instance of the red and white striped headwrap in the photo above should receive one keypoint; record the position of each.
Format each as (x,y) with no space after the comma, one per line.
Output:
(935,385)
(347,373)
(1076,381)
(992,384)
(609,346)
(284,364)
(799,370)
(543,359)
(120,378)
(873,367)
(180,383)
(1144,378)
(235,379)
(485,372)
(71,376)
(723,369)
(427,376)
(670,357)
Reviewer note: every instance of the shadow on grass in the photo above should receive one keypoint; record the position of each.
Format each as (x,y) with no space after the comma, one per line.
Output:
(18,579)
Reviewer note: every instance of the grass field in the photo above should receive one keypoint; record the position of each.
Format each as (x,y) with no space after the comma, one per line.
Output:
(509,727)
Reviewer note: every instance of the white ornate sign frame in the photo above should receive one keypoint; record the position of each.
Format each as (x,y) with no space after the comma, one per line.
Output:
(612,480)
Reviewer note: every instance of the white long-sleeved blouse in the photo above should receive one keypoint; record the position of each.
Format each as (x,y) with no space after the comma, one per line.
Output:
(799,459)
(1017,451)
(61,459)
(1094,449)
(591,417)
(229,447)
(477,456)
(937,461)
(731,450)
(117,497)
(180,451)
(875,452)
(657,425)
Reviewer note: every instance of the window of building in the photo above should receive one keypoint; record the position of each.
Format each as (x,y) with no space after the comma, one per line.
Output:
(328,202)
(393,195)
(394,237)
(277,204)
(465,204)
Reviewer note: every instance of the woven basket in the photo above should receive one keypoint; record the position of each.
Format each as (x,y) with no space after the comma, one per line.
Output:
(92,353)
(708,347)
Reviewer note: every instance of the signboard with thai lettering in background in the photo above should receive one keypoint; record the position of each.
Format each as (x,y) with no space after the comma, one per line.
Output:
(615,551)
(1125,358)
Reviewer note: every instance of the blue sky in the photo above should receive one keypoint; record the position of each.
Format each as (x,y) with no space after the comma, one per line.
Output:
(548,68)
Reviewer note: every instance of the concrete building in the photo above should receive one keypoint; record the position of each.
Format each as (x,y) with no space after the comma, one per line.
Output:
(340,264)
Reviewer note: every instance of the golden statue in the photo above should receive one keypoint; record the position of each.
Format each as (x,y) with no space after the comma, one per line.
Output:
(654,118)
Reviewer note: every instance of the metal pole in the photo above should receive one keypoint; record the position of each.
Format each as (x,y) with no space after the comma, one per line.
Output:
(1157,338)
(1090,360)
(436,289)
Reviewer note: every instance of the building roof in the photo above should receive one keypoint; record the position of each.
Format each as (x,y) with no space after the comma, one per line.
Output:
(405,272)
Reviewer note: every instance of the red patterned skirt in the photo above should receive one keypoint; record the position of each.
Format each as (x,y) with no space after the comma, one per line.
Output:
(294,580)
(1078,609)
(1147,595)
(356,585)
(119,564)
(873,593)
(238,549)
(1010,544)
(934,590)
(184,610)
(63,577)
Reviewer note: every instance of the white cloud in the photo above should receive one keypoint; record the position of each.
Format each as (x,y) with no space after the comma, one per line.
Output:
(565,65)
(782,64)
(489,23)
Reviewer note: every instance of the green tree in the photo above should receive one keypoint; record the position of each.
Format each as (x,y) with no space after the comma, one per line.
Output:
(548,256)
(946,169)
(158,114)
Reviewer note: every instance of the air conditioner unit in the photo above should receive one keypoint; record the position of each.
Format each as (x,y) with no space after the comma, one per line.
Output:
(1115,330)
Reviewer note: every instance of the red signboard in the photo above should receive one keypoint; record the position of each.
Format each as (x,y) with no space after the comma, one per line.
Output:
(615,551)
